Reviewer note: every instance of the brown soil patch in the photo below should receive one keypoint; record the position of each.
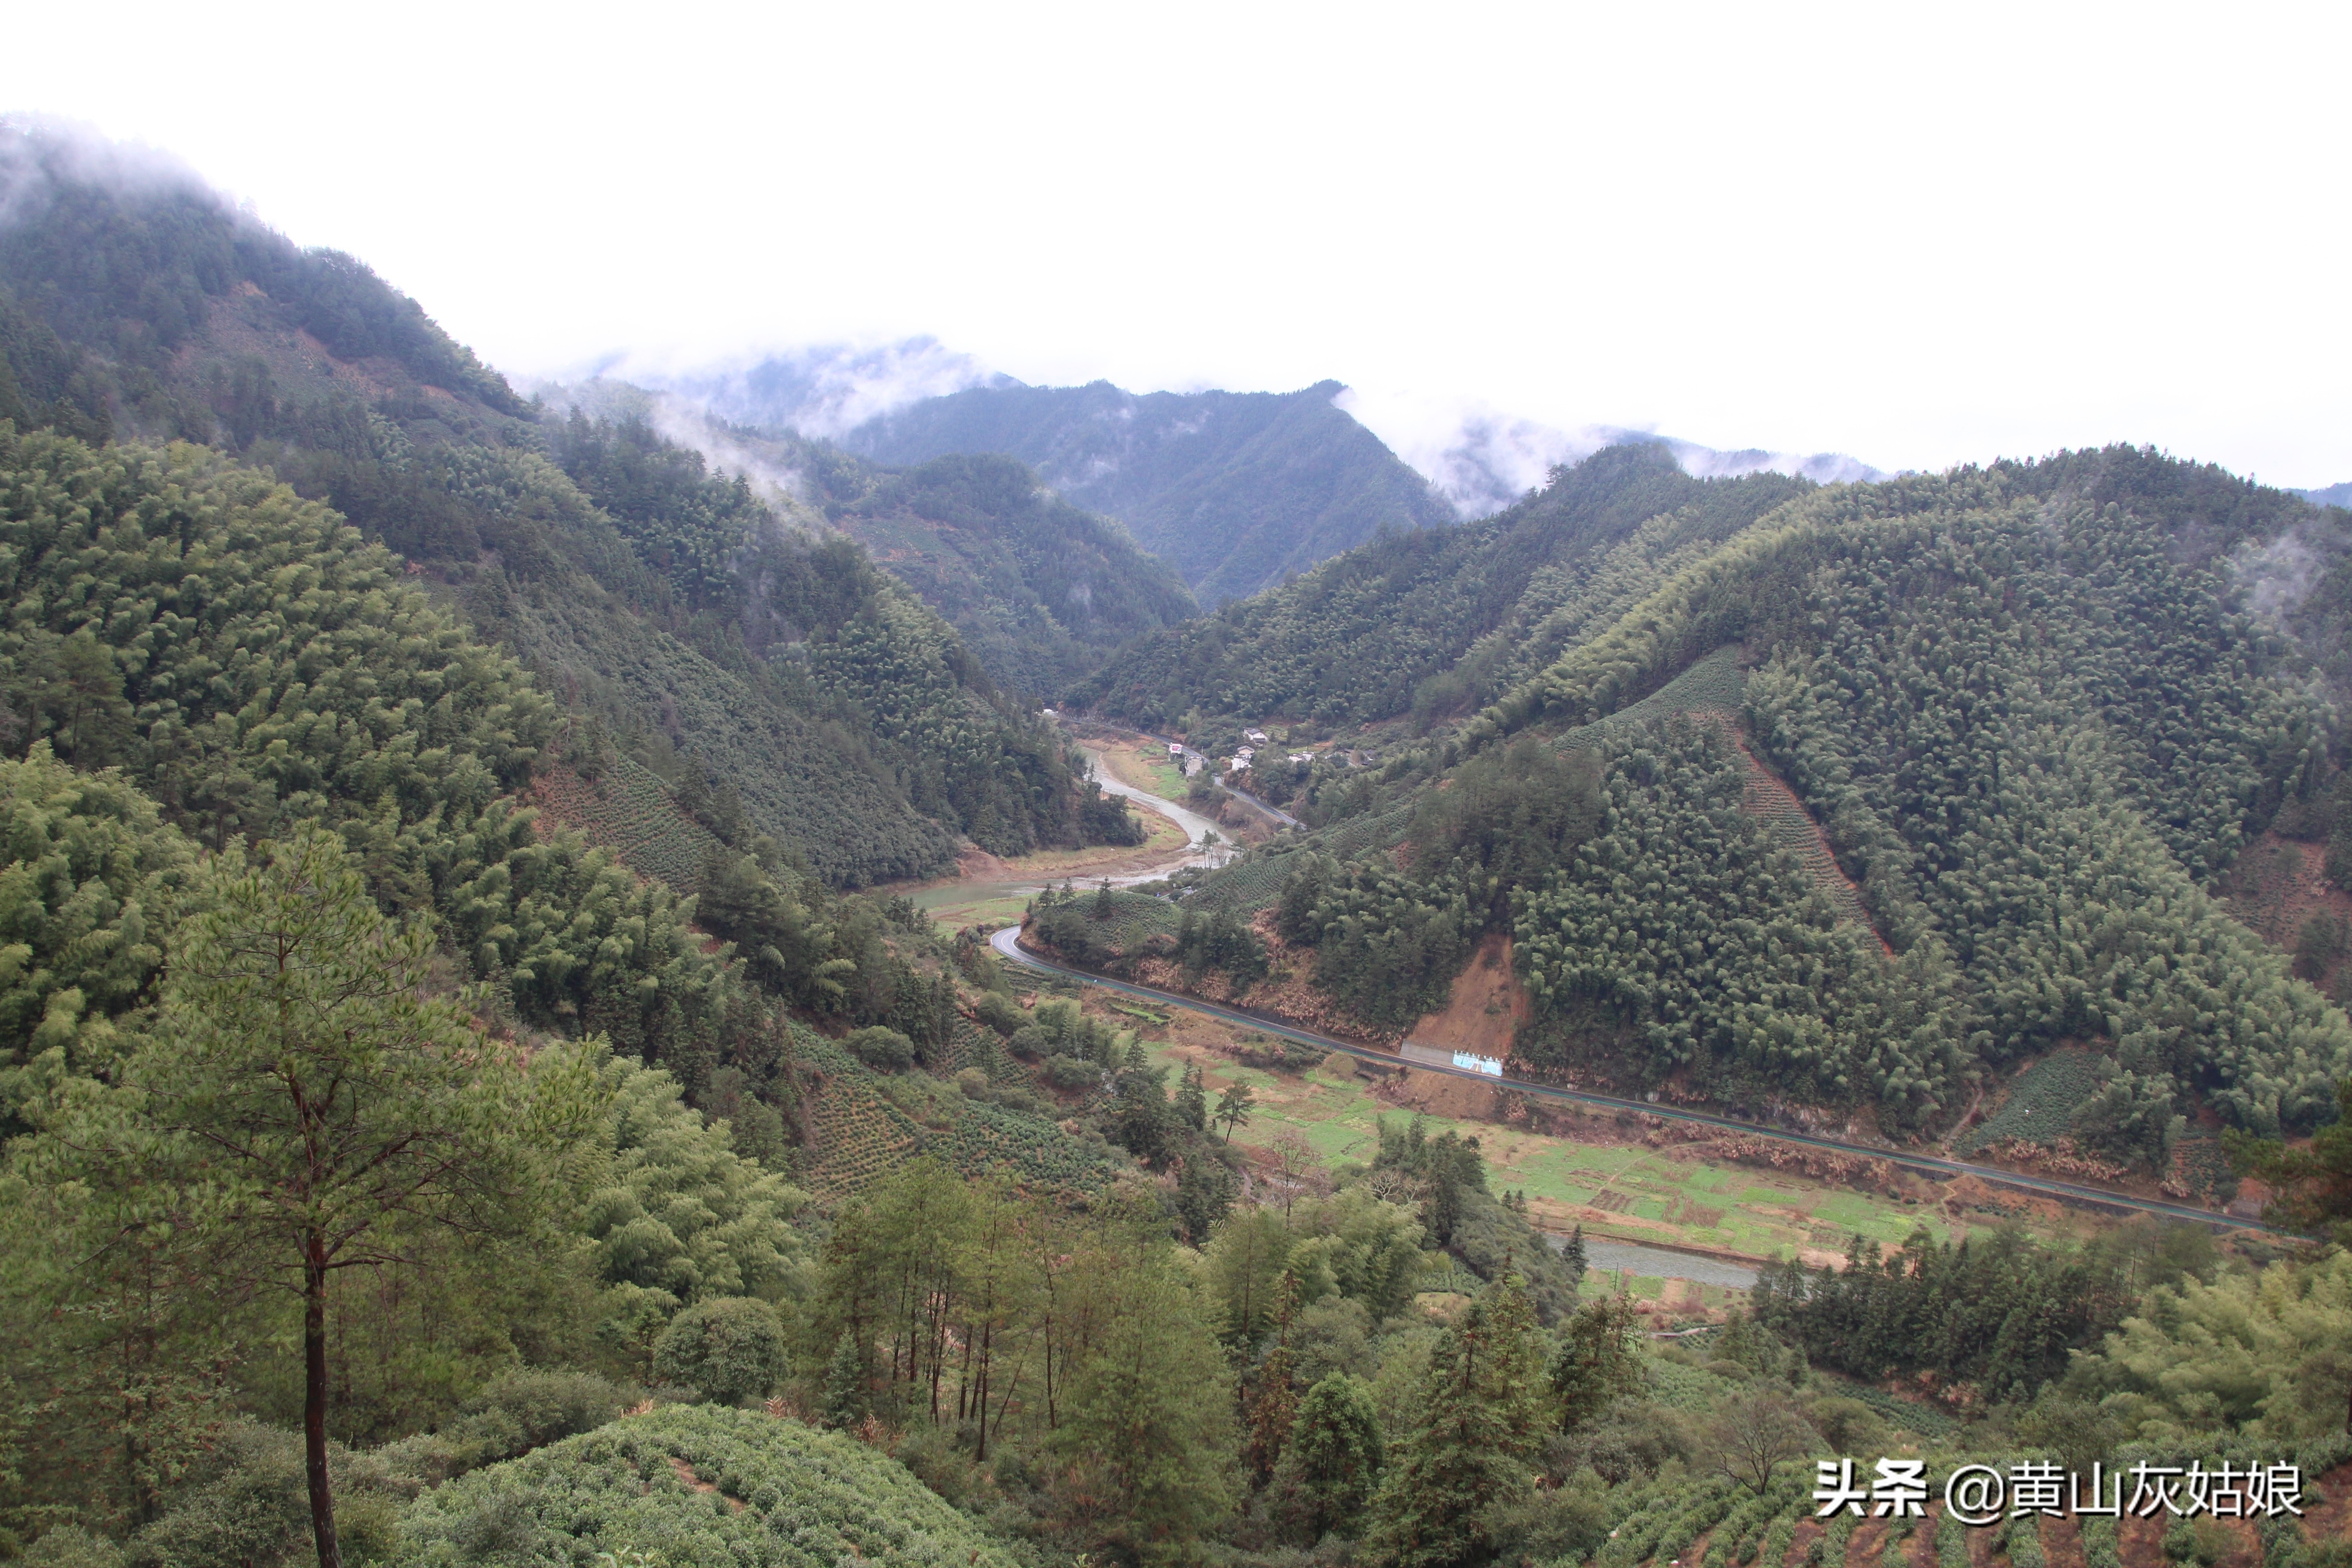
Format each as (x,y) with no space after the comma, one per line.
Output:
(1868,1540)
(1441,1094)
(2327,1505)
(1486,1007)
(974,863)
(2139,1541)
(1801,1541)
(2062,1541)
(696,1483)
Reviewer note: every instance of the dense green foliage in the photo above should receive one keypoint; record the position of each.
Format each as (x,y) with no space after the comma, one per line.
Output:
(679,1216)
(1237,490)
(1681,935)
(260,667)
(1443,618)
(2047,733)
(129,262)
(823,633)
(515,1136)
(2265,1353)
(2002,1315)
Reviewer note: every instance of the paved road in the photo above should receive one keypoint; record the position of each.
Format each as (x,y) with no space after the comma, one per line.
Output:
(1007,942)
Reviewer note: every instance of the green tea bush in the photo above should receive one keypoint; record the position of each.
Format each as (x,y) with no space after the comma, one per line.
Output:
(694,1487)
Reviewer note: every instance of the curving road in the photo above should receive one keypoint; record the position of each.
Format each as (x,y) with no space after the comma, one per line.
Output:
(1007,942)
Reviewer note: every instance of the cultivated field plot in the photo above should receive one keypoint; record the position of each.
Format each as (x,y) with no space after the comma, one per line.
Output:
(956,905)
(1144,766)
(2042,1102)
(1027,1150)
(1135,919)
(1714,684)
(630,810)
(1623,1190)
(1243,888)
(859,1136)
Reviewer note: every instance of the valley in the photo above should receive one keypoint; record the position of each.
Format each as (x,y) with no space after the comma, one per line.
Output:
(600,975)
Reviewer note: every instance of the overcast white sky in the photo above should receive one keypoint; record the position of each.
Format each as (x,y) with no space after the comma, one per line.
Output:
(1920,235)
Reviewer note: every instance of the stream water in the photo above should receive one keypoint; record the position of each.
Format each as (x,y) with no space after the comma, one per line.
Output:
(1659,1263)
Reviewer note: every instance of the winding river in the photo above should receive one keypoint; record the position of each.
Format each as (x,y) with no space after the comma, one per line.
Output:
(1197,851)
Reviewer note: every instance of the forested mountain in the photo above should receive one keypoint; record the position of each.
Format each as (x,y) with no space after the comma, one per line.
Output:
(782,674)
(1237,490)
(1038,590)
(389,1177)
(1437,621)
(1851,797)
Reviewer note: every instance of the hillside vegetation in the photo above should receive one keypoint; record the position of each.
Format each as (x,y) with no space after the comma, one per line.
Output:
(2027,710)
(1037,589)
(807,695)
(1436,621)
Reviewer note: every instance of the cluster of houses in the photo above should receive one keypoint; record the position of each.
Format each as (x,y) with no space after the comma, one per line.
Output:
(1245,756)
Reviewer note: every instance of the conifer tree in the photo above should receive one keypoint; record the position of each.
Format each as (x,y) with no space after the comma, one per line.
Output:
(1332,1463)
(1192,1098)
(1233,1107)
(845,1384)
(1481,1422)
(1274,1403)
(302,1103)
(1573,1256)
(1597,1360)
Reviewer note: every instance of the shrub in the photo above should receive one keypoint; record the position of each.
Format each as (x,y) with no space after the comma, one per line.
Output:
(726,1349)
(522,1411)
(1000,1012)
(71,1546)
(248,1503)
(1069,1073)
(885,1050)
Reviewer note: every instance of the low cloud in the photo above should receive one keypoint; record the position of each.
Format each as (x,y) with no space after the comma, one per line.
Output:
(38,153)
(822,389)
(1481,459)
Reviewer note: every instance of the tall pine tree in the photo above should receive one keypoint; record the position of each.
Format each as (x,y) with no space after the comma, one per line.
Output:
(1481,1422)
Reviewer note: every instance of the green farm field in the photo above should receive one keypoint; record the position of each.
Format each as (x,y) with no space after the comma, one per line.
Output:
(1612,1184)
(956,905)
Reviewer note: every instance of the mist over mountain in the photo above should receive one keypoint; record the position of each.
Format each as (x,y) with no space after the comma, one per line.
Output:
(1481,459)
(737,650)
(2334,494)
(1238,490)
(821,390)
(440,829)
